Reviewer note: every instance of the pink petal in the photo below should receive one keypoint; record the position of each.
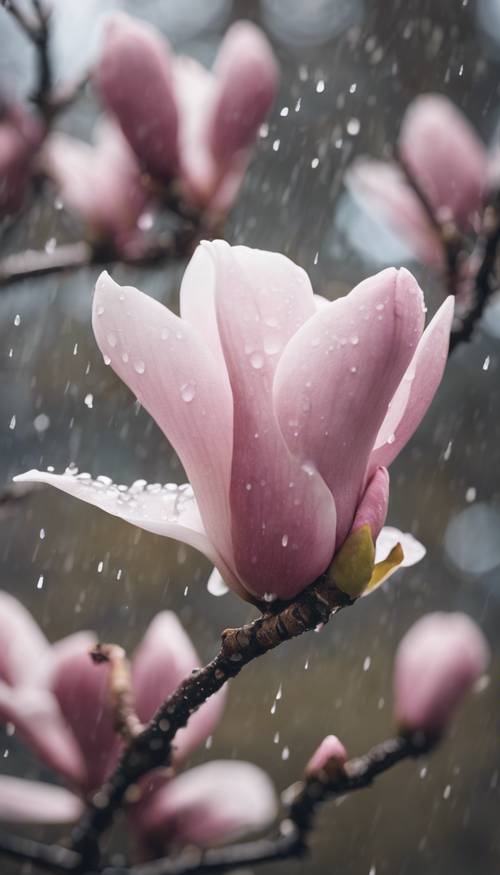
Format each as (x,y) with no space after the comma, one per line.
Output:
(372,509)
(247,79)
(210,804)
(23,643)
(165,363)
(443,153)
(331,748)
(168,510)
(164,658)
(135,80)
(416,390)
(197,302)
(36,714)
(437,662)
(337,376)
(34,802)
(195,90)
(81,689)
(283,517)
(101,183)
(382,189)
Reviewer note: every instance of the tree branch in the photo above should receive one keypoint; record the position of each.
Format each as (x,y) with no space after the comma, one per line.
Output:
(152,748)
(485,281)
(54,858)
(291,841)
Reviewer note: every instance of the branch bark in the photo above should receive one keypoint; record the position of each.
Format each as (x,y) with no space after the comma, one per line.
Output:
(152,747)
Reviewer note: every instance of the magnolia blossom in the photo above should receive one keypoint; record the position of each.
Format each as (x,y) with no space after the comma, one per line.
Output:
(285,412)
(183,122)
(20,137)
(101,183)
(448,162)
(437,662)
(58,700)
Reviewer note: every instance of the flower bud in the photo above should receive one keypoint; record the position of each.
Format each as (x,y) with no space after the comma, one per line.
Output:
(445,157)
(135,80)
(329,758)
(437,662)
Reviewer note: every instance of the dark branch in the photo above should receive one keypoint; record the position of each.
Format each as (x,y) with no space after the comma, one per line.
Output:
(152,748)
(485,282)
(33,263)
(54,858)
(292,840)
(447,232)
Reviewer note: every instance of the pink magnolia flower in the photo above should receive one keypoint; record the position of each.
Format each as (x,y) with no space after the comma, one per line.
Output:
(101,183)
(447,161)
(58,700)
(183,122)
(285,412)
(437,662)
(20,137)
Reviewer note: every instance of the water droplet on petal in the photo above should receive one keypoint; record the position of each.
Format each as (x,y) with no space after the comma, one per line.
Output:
(188,391)
(257,360)
(139,367)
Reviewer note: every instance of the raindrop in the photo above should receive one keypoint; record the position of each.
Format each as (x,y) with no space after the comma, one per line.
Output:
(391,438)
(12,423)
(100,311)
(100,566)
(353,126)
(139,367)
(272,344)
(112,338)
(188,391)
(354,340)
(39,584)
(284,540)
(486,363)
(320,86)
(257,360)
(106,359)
(41,422)
(276,145)
(89,401)
(17,319)
(470,495)
(367,663)
(285,753)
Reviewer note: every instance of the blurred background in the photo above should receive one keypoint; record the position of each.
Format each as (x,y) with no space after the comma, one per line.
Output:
(349,69)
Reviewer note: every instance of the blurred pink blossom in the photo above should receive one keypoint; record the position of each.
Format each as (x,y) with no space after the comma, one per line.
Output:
(283,411)
(449,164)
(20,137)
(100,183)
(58,700)
(183,122)
(437,662)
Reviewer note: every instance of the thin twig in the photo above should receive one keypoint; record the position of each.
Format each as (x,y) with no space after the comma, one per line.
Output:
(152,748)
(292,838)
(485,282)
(126,721)
(31,263)
(54,858)
(447,232)
(291,841)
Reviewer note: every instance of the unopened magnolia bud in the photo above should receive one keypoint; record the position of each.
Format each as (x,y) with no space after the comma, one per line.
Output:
(328,759)
(437,662)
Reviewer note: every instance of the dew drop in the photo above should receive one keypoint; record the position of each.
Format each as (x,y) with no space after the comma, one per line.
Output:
(188,391)
(284,540)
(139,367)
(89,401)
(257,360)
